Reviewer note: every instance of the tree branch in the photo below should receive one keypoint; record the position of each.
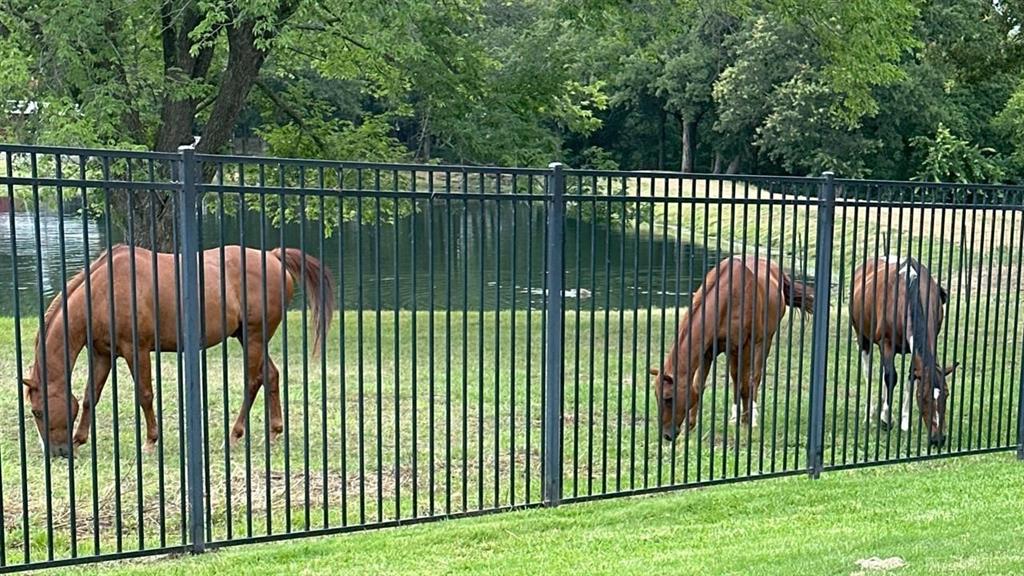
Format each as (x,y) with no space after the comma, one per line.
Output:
(167,35)
(290,112)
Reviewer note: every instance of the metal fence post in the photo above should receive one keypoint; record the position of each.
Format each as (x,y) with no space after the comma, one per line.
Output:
(189,228)
(1020,419)
(552,493)
(819,336)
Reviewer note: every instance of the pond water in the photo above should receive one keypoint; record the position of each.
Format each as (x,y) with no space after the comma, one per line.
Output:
(495,257)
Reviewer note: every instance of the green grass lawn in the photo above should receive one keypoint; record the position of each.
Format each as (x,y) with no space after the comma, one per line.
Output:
(488,427)
(958,516)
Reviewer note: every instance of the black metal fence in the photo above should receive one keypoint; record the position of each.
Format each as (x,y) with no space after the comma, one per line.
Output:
(488,336)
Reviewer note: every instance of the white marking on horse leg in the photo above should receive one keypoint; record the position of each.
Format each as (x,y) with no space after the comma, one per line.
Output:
(754,416)
(733,412)
(908,389)
(886,408)
(910,332)
(865,366)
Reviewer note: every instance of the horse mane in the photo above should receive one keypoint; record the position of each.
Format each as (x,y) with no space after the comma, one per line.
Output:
(708,289)
(917,317)
(73,284)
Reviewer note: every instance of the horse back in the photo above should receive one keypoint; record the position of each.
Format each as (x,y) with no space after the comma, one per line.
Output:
(879,300)
(742,298)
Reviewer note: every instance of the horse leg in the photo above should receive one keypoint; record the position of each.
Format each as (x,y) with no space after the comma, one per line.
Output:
(100,371)
(866,368)
(274,397)
(889,385)
(908,391)
(700,378)
(753,382)
(734,374)
(144,380)
(254,365)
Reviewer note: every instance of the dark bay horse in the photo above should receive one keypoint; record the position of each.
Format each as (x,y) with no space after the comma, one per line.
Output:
(156,307)
(897,305)
(737,310)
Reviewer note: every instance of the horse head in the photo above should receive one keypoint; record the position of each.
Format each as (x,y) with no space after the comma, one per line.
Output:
(932,392)
(674,398)
(51,413)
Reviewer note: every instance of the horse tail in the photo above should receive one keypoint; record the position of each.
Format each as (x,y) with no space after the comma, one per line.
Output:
(318,282)
(797,294)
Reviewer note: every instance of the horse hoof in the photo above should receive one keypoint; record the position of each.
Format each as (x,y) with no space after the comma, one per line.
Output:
(149,447)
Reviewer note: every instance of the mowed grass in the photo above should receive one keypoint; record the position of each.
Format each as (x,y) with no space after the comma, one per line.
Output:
(959,516)
(467,438)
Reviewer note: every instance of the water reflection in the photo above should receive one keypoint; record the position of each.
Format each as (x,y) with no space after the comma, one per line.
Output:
(30,249)
(478,257)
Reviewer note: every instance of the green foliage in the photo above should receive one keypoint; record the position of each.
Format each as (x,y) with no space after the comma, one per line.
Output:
(861,43)
(595,158)
(792,86)
(369,141)
(948,158)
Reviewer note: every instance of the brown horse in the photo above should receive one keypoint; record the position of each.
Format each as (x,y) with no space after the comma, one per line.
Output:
(897,305)
(155,307)
(736,310)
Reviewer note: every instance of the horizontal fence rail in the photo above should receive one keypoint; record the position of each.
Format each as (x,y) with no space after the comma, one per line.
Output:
(215,350)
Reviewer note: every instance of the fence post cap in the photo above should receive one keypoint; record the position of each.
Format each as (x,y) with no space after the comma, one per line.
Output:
(190,146)
(556,165)
(828,174)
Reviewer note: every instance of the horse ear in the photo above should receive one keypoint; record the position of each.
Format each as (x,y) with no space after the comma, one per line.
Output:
(653,371)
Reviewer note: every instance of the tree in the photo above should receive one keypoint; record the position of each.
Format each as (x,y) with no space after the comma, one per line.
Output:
(142,74)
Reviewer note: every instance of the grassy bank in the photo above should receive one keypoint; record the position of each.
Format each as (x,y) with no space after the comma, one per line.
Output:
(944,517)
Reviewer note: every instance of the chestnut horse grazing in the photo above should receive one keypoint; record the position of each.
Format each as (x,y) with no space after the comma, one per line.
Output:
(91,319)
(897,305)
(737,310)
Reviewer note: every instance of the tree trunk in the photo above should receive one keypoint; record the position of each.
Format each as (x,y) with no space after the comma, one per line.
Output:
(734,165)
(148,218)
(661,140)
(155,210)
(243,68)
(717,168)
(689,129)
